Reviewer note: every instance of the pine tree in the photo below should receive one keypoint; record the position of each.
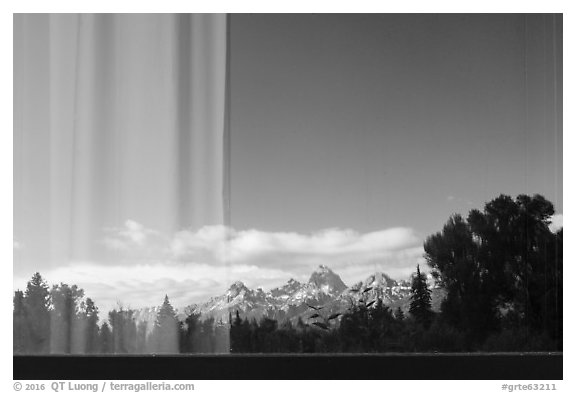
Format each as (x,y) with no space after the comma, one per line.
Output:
(65,320)
(36,302)
(166,329)
(421,299)
(21,339)
(236,334)
(222,337)
(206,339)
(191,335)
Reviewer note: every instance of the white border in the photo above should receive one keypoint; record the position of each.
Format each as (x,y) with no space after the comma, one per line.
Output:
(565,7)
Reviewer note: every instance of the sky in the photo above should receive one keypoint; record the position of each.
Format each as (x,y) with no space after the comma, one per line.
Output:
(376,121)
(352,139)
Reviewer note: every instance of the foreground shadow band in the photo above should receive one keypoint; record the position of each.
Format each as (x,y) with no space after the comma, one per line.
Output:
(532,366)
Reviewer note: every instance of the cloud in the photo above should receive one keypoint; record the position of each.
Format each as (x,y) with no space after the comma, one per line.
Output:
(289,251)
(193,265)
(134,240)
(556,222)
(144,285)
(394,249)
(244,245)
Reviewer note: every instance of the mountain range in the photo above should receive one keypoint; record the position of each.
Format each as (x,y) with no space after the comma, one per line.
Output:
(324,289)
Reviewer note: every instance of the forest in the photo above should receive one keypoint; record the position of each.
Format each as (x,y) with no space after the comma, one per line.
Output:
(500,268)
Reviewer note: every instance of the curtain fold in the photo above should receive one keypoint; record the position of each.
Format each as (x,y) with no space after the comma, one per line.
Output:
(116,117)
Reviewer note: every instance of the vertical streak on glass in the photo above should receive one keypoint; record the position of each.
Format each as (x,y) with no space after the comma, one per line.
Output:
(73,136)
(525,104)
(182,119)
(226,190)
(555,122)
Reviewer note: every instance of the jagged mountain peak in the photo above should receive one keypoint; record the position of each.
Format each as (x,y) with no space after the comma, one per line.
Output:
(323,269)
(380,279)
(236,288)
(376,280)
(237,284)
(326,280)
(287,289)
(293,299)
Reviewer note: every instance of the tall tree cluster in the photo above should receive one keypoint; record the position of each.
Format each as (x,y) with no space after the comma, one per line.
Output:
(31,317)
(61,320)
(56,320)
(502,269)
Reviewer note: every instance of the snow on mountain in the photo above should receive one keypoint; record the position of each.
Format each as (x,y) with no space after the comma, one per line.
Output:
(279,303)
(249,302)
(287,291)
(323,286)
(294,299)
(378,286)
(325,280)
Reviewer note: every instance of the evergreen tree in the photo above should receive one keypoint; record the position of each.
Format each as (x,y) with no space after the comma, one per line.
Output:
(354,328)
(21,339)
(189,344)
(421,299)
(237,338)
(36,302)
(183,344)
(240,335)
(247,344)
(222,337)
(65,320)
(166,332)
(206,337)
(382,328)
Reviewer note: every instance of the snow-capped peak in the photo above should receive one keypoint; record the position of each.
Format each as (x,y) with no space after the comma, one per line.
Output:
(379,279)
(324,288)
(236,288)
(287,289)
(326,281)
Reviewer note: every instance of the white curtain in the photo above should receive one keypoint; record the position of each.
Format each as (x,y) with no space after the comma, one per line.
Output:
(116,117)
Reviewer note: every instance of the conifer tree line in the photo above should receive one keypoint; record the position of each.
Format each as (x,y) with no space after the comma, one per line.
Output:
(60,321)
(500,270)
